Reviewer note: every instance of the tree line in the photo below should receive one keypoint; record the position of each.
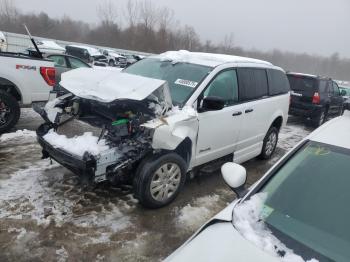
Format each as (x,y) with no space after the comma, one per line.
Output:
(143,26)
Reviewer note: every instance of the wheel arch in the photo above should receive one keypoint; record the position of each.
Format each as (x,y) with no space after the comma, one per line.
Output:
(277,122)
(10,87)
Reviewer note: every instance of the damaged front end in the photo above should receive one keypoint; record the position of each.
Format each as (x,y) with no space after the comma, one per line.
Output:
(119,141)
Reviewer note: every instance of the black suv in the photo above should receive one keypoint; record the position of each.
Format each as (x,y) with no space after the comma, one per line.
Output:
(314,97)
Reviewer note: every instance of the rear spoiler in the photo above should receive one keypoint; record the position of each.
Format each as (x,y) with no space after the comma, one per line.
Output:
(40,55)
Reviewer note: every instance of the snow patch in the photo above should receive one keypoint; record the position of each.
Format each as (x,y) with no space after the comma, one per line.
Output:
(190,217)
(184,56)
(290,135)
(62,254)
(22,232)
(77,145)
(248,220)
(19,134)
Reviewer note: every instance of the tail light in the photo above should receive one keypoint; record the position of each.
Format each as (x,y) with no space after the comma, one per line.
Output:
(316,98)
(49,75)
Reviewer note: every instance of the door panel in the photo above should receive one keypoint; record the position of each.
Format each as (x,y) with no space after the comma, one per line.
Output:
(218,133)
(257,111)
(219,130)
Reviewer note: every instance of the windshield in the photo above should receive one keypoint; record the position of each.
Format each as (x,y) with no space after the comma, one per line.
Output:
(182,78)
(307,203)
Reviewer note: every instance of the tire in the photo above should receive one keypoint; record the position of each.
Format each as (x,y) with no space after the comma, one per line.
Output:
(111,63)
(9,111)
(321,118)
(269,144)
(151,173)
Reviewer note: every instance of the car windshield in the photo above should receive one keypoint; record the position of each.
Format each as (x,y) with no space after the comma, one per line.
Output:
(307,202)
(182,78)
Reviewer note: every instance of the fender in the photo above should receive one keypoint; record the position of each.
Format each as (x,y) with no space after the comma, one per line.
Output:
(14,83)
(171,131)
(278,113)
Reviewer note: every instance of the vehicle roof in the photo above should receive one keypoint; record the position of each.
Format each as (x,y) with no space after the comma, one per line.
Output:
(335,132)
(308,75)
(206,59)
(93,51)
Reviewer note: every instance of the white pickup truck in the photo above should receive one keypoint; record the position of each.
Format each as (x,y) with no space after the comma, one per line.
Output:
(23,81)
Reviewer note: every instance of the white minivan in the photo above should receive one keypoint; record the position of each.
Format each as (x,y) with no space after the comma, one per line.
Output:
(167,115)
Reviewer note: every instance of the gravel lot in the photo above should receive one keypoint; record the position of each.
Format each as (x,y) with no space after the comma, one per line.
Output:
(45,215)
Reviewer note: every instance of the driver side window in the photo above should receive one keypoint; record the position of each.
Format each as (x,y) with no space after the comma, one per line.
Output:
(225,86)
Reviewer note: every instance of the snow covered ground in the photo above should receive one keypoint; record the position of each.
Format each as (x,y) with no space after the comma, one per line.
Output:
(46,214)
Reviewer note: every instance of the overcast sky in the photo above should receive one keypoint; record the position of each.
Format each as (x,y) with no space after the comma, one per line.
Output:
(313,26)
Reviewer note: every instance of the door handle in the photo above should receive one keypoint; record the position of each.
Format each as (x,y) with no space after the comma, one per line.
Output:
(237,113)
(249,110)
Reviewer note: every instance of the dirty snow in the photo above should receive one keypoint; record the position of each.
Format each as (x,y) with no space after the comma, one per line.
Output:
(192,215)
(19,134)
(290,135)
(77,145)
(62,254)
(247,218)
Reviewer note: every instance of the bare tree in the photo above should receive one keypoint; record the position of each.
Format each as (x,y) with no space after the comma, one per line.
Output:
(107,13)
(148,14)
(8,10)
(228,43)
(131,12)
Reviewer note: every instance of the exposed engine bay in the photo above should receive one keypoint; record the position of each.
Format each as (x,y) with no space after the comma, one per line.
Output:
(120,123)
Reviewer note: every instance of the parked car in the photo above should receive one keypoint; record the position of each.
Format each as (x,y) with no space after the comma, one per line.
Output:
(64,63)
(114,59)
(24,80)
(130,59)
(88,54)
(313,97)
(165,116)
(345,92)
(46,48)
(295,212)
(3,42)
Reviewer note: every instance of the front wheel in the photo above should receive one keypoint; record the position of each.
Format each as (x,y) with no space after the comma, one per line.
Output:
(9,111)
(111,63)
(270,143)
(159,180)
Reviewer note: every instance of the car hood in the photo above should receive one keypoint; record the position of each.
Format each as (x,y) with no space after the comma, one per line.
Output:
(220,242)
(110,85)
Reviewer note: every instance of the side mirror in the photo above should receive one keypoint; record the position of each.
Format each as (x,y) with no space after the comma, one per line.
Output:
(212,103)
(235,177)
(343,93)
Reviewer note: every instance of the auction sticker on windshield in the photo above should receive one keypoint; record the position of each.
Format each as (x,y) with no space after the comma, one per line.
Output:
(186,83)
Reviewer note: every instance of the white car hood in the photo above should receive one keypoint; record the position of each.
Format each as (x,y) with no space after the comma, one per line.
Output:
(220,242)
(107,86)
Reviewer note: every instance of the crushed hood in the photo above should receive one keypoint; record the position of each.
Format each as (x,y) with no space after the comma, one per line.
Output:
(108,86)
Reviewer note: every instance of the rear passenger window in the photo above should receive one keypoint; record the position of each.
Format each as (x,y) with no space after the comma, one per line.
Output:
(278,82)
(252,83)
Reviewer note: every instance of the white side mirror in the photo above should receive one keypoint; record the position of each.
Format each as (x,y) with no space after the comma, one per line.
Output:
(235,176)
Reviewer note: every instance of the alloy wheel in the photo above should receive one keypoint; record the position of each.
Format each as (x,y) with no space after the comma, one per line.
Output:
(165,181)
(270,143)
(4,113)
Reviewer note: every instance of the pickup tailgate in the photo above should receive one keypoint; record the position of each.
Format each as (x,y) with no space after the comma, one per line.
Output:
(33,77)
